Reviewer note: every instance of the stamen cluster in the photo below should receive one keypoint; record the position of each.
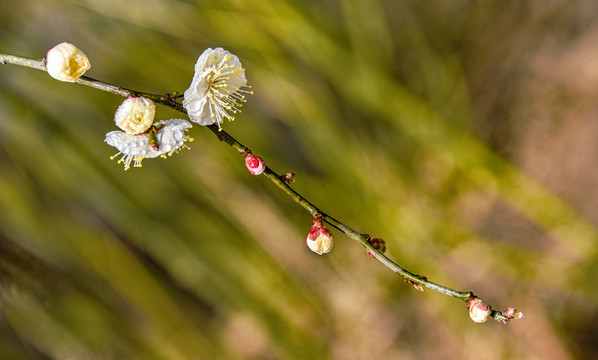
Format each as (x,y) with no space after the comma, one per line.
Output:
(218,88)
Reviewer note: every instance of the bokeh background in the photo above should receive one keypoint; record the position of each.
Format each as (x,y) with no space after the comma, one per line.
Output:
(464,133)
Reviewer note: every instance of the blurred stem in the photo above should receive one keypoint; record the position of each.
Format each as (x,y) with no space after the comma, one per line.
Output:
(169,101)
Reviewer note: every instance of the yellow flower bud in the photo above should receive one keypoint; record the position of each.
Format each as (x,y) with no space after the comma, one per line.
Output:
(135,115)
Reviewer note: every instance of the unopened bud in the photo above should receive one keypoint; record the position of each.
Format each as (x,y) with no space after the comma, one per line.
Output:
(417,286)
(135,115)
(478,310)
(513,314)
(288,178)
(65,62)
(254,164)
(378,244)
(319,239)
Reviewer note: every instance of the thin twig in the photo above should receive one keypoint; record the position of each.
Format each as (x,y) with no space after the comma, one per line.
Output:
(363,239)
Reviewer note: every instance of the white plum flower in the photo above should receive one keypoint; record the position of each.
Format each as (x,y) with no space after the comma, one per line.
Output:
(164,138)
(217,88)
(65,62)
(135,115)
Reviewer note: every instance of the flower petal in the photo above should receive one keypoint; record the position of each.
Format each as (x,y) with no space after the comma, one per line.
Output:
(170,137)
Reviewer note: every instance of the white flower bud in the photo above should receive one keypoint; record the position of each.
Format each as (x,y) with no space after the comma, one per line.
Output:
(65,62)
(319,239)
(478,310)
(135,115)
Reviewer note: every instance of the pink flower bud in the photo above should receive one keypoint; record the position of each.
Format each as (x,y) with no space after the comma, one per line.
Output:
(512,313)
(254,164)
(479,311)
(319,239)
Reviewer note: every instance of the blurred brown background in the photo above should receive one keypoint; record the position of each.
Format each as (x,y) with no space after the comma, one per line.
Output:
(464,133)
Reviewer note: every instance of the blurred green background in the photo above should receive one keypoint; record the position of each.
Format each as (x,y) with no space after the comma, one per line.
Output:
(464,133)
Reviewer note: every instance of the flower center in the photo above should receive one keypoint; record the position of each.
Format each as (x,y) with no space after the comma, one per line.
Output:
(225,89)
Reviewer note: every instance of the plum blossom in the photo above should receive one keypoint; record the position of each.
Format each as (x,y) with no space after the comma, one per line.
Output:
(217,89)
(164,138)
